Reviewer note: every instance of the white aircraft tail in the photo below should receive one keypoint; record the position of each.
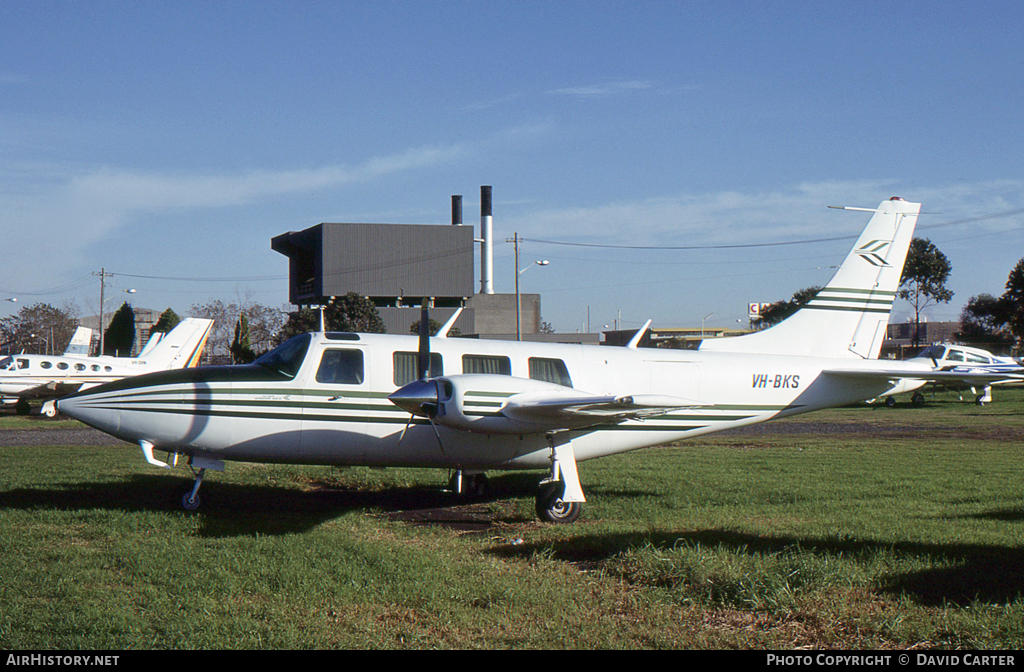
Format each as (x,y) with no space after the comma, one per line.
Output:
(847,317)
(81,342)
(181,347)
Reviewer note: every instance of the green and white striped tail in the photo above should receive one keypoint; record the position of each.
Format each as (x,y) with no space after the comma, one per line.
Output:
(848,317)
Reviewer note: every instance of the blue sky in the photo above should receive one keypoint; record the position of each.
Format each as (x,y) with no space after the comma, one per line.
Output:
(173,140)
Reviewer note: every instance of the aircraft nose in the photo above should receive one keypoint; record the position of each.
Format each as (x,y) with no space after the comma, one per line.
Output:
(91,410)
(418,397)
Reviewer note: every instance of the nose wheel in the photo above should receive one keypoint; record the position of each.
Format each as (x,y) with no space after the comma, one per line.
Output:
(190,500)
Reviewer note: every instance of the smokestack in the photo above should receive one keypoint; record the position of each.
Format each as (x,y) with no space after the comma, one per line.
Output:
(487,235)
(456,210)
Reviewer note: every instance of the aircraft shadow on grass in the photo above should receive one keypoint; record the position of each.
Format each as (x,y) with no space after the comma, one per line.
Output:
(234,509)
(966,573)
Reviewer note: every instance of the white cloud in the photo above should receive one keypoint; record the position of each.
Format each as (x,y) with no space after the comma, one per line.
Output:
(732,217)
(601,90)
(50,223)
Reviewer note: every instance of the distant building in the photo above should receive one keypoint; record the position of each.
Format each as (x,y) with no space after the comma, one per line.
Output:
(397,266)
(899,343)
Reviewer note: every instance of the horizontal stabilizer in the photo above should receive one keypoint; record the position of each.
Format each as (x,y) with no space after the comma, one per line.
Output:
(975,377)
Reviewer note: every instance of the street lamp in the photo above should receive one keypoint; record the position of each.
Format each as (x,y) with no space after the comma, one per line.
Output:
(702,325)
(518,310)
(103,276)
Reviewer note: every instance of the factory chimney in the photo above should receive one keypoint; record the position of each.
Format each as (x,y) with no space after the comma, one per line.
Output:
(456,210)
(487,238)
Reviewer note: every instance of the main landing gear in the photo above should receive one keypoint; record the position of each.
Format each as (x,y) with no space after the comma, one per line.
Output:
(560,497)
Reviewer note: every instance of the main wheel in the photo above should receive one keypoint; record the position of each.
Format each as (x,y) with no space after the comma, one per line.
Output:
(552,508)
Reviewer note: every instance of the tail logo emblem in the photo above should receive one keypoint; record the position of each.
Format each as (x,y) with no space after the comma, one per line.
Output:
(870,252)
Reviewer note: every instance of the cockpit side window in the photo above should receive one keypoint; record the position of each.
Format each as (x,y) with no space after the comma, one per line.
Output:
(286,358)
(6,362)
(977,359)
(954,356)
(933,352)
(341,367)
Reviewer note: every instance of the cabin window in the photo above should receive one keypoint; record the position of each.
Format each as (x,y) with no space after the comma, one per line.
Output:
(406,365)
(23,363)
(45,365)
(341,367)
(486,364)
(550,370)
(95,367)
(107,369)
(62,365)
(977,359)
(80,367)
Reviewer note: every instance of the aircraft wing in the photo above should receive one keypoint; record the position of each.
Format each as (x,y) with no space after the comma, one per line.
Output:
(558,411)
(52,390)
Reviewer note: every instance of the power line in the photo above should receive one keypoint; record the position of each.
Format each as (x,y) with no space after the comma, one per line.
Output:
(760,245)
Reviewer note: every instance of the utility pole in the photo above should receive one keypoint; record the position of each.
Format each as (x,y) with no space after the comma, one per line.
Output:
(103,283)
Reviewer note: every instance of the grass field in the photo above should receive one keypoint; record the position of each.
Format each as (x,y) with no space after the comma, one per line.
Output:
(860,527)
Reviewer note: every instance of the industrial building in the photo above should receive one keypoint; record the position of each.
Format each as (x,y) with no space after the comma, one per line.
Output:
(397,266)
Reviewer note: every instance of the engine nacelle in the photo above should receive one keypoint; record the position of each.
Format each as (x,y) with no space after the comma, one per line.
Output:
(478,402)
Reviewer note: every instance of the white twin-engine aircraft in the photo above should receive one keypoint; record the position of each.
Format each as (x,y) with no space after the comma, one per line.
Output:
(50,376)
(476,405)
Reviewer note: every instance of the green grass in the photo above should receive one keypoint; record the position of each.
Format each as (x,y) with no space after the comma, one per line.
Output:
(888,528)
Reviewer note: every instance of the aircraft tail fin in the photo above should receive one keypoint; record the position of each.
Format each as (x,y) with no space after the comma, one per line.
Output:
(182,346)
(80,342)
(848,316)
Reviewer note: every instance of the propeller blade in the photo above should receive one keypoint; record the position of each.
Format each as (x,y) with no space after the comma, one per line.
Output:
(423,356)
(440,444)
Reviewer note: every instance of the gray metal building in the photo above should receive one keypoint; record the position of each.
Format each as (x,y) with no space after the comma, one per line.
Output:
(397,266)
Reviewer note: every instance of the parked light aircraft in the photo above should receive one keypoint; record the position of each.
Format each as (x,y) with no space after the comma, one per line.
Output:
(47,377)
(959,359)
(476,405)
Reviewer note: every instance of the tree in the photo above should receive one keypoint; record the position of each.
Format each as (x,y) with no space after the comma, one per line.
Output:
(923,282)
(168,321)
(119,338)
(241,350)
(984,321)
(38,329)
(265,323)
(1013,303)
(780,310)
(434,326)
(352,312)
